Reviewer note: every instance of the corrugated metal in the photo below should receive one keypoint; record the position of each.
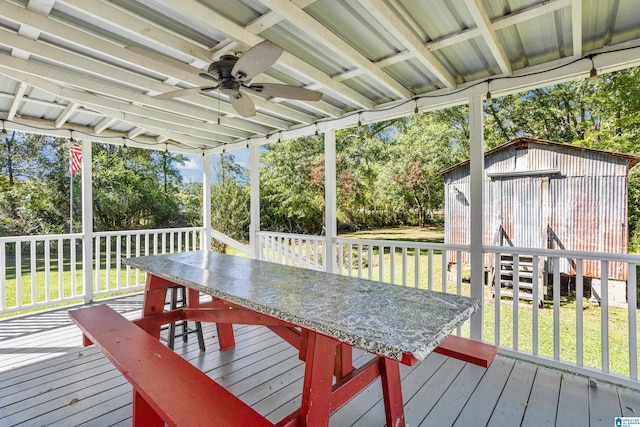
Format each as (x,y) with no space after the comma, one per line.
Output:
(583,208)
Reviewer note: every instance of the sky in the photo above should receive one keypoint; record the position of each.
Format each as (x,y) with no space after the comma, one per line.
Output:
(192,169)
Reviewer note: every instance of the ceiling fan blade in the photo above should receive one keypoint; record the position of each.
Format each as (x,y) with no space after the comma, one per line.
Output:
(243,105)
(286,91)
(184,92)
(256,60)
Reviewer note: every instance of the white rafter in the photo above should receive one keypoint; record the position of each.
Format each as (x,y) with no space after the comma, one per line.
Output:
(489,34)
(17,98)
(389,19)
(66,114)
(198,12)
(576,27)
(329,39)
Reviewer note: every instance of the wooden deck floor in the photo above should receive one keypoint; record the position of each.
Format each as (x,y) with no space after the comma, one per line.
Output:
(47,378)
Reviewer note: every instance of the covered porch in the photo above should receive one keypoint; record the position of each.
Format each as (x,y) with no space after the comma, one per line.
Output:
(48,378)
(91,69)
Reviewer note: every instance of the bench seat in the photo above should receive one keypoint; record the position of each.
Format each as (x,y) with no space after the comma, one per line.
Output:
(166,387)
(468,350)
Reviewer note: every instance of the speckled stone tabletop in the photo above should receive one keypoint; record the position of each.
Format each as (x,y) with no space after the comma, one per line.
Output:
(388,320)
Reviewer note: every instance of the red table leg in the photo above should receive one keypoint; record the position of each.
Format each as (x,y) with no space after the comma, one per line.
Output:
(154,297)
(392,392)
(318,379)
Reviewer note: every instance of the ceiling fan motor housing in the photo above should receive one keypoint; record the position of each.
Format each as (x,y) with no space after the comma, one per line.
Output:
(221,69)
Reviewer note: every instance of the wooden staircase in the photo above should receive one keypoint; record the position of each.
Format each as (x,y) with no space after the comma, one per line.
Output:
(506,277)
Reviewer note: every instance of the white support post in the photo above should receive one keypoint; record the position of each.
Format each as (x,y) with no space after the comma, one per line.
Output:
(205,242)
(87,222)
(476,154)
(254,184)
(330,217)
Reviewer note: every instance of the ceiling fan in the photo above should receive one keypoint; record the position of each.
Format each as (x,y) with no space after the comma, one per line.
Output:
(233,76)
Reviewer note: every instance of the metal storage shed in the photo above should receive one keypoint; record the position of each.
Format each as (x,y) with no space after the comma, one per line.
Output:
(547,195)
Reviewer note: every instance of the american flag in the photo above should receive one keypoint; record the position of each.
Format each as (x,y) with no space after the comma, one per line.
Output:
(75,157)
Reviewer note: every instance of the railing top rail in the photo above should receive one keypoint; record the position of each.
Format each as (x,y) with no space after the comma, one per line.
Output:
(291,235)
(40,237)
(404,243)
(147,231)
(562,253)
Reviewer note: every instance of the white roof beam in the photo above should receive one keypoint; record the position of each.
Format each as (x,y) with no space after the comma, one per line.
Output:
(389,19)
(200,13)
(17,69)
(104,124)
(576,27)
(133,133)
(17,98)
(489,34)
(329,39)
(128,23)
(66,114)
(100,45)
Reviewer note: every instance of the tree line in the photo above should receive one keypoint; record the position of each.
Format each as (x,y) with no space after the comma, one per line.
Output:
(387,173)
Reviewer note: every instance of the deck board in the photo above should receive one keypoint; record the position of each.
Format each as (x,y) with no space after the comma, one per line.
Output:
(43,368)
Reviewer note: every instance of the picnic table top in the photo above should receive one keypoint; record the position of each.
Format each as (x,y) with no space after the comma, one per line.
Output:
(390,320)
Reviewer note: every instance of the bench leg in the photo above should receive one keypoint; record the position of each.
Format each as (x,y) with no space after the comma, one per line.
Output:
(143,413)
(392,392)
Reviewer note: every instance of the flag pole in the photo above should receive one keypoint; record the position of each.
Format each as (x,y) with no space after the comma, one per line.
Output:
(71,206)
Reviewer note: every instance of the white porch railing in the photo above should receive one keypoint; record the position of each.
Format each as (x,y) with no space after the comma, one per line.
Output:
(40,271)
(292,249)
(593,339)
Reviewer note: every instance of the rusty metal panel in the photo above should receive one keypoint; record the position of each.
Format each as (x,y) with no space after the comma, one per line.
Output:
(582,208)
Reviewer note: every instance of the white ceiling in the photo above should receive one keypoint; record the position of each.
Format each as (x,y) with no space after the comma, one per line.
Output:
(68,65)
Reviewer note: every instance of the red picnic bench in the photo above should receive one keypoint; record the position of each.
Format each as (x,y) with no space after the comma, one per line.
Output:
(168,389)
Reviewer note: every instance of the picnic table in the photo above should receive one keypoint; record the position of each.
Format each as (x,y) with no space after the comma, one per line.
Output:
(323,315)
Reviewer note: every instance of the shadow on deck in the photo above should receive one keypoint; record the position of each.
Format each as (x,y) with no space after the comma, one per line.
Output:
(47,378)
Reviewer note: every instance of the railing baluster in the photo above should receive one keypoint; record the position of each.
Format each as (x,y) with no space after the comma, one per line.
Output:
(604,315)
(107,262)
(633,330)
(180,241)
(497,287)
(47,270)
(404,266)
(392,265)
(444,270)
(97,257)
(137,254)
(172,248)
(18,274)
(72,265)
(579,313)
(416,274)
(370,262)
(556,308)
(360,260)
(430,267)
(381,264)
(128,255)
(60,269)
(164,243)
(350,260)
(535,297)
(33,259)
(118,259)
(515,282)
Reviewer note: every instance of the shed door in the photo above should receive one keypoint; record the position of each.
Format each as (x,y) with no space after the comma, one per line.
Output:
(522,210)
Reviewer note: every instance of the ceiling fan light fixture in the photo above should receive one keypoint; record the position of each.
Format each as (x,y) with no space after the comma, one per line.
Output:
(4,130)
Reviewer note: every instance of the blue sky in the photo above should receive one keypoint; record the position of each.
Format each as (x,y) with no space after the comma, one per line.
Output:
(192,169)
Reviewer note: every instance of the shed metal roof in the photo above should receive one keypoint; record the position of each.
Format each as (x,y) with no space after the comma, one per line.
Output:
(68,64)
(631,159)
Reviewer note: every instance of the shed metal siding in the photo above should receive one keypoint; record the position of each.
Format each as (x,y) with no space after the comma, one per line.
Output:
(584,207)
